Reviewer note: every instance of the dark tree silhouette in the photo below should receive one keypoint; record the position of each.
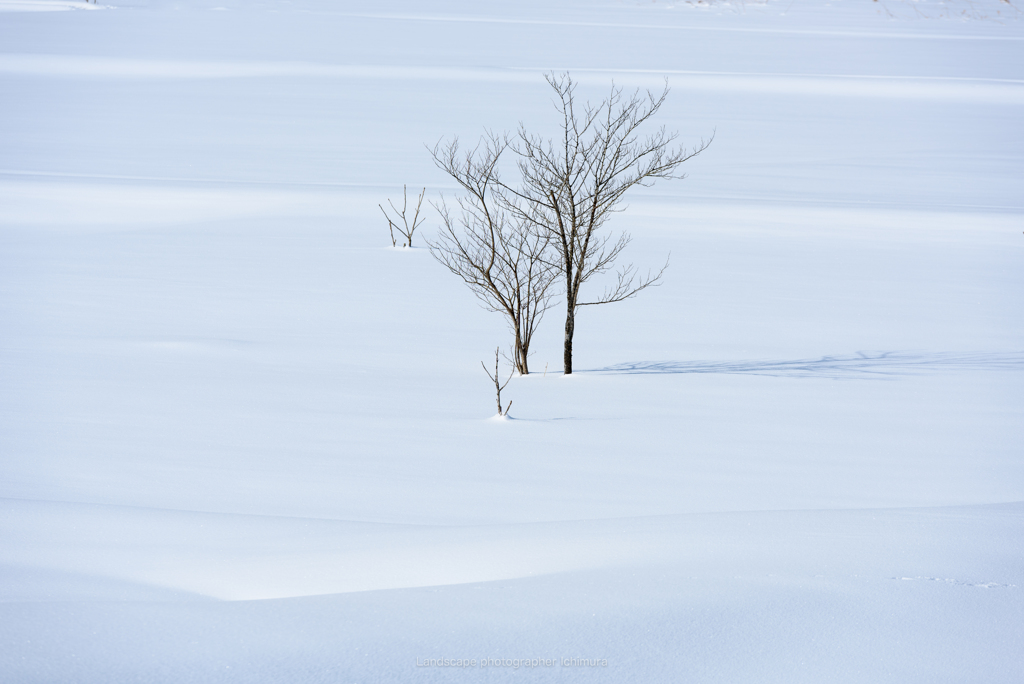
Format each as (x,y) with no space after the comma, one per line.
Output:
(488,244)
(572,184)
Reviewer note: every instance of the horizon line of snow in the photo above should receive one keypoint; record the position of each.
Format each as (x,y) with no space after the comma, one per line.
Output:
(1004,91)
(673,27)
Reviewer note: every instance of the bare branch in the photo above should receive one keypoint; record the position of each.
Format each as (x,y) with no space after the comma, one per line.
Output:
(627,286)
(391,224)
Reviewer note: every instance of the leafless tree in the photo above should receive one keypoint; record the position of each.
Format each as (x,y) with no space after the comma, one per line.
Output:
(498,385)
(405,228)
(571,185)
(491,246)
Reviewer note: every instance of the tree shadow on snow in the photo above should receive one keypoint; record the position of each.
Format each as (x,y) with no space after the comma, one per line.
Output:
(859,365)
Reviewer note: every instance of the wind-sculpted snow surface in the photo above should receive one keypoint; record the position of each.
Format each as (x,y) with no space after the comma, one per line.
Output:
(242,439)
(975,90)
(930,592)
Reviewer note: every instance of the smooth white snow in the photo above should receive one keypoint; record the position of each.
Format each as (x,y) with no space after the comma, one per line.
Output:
(242,439)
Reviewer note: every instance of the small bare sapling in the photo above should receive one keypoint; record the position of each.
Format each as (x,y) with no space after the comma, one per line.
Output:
(401,223)
(498,385)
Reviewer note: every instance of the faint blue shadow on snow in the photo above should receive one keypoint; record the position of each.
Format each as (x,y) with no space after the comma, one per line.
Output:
(863,365)
(957,583)
(36,584)
(540,420)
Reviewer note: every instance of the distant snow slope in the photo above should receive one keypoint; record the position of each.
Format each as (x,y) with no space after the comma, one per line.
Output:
(46,5)
(244,440)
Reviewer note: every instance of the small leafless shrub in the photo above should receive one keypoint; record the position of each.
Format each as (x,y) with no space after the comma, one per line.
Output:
(401,223)
(498,385)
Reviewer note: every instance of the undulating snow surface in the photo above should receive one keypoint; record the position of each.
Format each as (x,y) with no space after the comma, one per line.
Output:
(242,439)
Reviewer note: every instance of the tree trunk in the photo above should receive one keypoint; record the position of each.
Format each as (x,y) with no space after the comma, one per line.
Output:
(520,353)
(570,324)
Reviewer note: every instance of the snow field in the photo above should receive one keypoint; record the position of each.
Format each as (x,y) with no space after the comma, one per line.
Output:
(243,439)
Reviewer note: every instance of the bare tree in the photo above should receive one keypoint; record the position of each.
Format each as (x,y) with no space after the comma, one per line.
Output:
(571,186)
(405,228)
(498,385)
(491,246)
